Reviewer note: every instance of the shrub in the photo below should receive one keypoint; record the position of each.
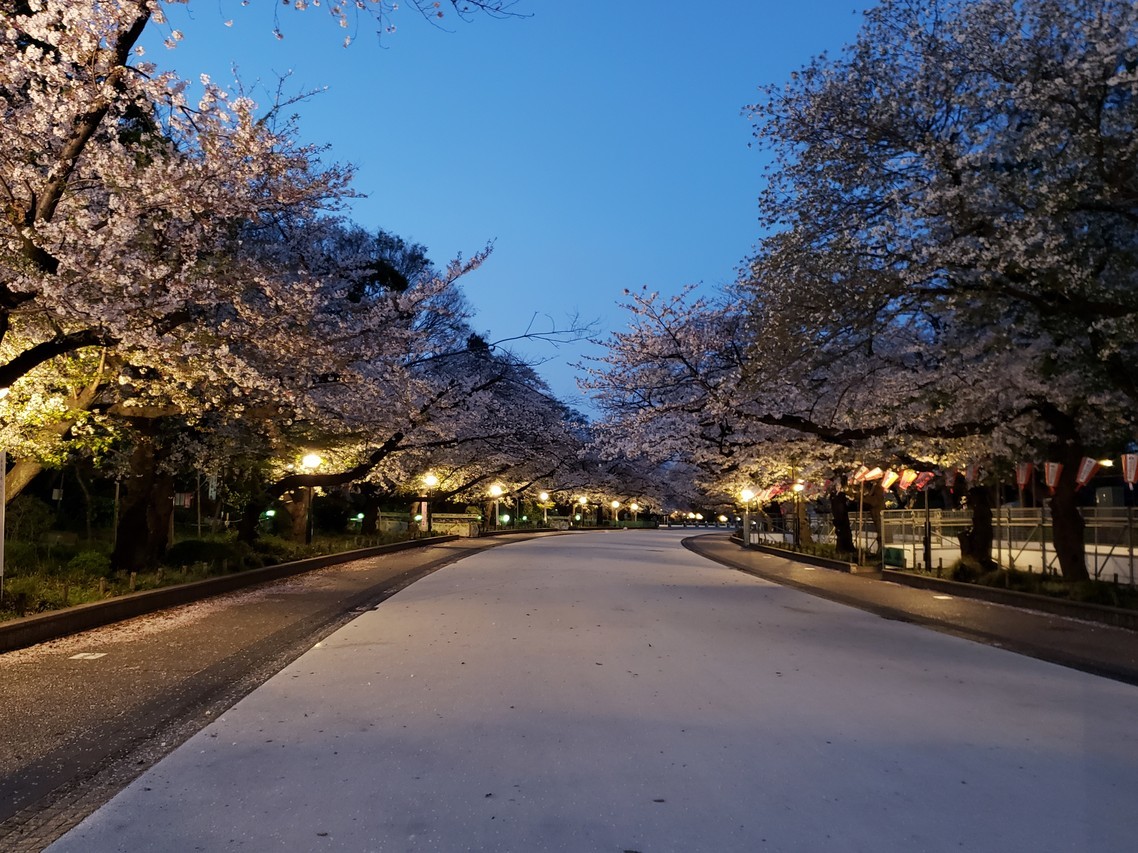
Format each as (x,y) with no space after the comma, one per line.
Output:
(964,572)
(28,518)
(273,549)
(89,564)
(215,553)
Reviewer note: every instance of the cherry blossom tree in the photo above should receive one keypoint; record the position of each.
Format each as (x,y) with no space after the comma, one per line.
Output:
(949,266)
(956,202)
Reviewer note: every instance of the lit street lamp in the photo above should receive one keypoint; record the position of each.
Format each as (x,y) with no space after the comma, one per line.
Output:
(310,462)
(635,507)
(615,506)
(583,503)
(429,483)
(544,498)
(496,494)
(798,488)
(747,495)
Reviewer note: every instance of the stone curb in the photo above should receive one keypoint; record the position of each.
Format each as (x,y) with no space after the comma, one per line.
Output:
(29,630)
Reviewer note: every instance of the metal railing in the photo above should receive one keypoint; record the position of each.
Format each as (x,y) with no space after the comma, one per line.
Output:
(1022,538)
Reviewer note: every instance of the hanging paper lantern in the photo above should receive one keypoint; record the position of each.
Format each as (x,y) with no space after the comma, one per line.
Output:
(889,478)
(859,475)
(875,474)
(908,476)
(923,480)
(1130,468)
(1051,471)
(1087,468)
(1023,473)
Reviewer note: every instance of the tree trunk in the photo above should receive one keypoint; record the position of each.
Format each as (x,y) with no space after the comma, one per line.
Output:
(976,541)
(874,501)
(1067,522)
(369,526)
(147,507)
(840,511)
(18,477)
(802,521)
(296,505)
(88,507)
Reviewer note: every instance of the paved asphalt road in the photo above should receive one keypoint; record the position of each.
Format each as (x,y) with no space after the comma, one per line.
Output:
(618,692)
(82,716)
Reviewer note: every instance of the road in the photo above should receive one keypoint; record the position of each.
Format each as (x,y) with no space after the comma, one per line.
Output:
(617,692)
(82,716)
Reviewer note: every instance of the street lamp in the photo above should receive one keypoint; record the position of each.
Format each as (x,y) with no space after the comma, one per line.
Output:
(747,495)
(583,502)
(310,462)
(635,507)
(615,506)
(798,488)
(429,483)
(496,494)
(544,498)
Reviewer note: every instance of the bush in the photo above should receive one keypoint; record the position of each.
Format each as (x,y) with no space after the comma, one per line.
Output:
(964,572)
(89,564)
(273,550)
(216,553)
(28,518)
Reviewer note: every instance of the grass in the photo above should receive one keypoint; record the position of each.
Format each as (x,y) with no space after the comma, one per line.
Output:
(55,573)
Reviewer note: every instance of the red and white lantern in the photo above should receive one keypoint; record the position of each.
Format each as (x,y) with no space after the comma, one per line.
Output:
(923,480)
(1130,468)
(1051,471)
(1024,471)
(1087,468)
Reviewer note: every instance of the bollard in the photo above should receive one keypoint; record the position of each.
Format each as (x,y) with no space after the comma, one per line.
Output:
(133,575)
(102,587)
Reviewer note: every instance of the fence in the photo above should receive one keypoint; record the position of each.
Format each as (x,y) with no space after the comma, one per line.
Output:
(1022,539)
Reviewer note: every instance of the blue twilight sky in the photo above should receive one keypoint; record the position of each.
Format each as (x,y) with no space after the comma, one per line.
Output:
(600,145)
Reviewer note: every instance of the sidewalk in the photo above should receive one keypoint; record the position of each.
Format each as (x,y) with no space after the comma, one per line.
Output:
(1090,647)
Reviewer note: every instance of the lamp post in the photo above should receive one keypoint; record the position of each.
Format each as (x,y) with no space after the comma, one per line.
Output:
(615,506)
(747,495)
(429,483)
(583,502)
(635,507)
(544,498)
(496,494)
(798,487)
(310,462)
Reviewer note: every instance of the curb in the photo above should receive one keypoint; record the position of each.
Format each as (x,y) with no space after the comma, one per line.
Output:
(1117,617)
(809,559)
(29,630)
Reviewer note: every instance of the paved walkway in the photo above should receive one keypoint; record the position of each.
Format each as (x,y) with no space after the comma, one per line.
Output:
(1089,646)
(617,692)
